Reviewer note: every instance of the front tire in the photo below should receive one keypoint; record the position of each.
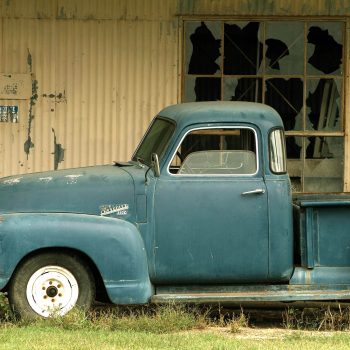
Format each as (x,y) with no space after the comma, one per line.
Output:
(51,284)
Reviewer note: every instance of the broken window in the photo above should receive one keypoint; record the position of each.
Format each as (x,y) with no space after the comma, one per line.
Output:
(243,49)
(243,89)
(319,164)
(294,66)
(284,48)
(325,48)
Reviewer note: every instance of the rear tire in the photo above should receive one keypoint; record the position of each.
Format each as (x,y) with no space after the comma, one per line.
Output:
(51,284)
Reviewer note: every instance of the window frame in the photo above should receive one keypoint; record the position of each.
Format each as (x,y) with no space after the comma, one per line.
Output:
(306,77)
(161,156)
(178,144)
(283,152)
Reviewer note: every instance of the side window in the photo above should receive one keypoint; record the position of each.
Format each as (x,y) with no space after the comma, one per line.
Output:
(216,151)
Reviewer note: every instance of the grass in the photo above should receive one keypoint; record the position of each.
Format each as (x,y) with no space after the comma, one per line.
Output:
(174,327)
(325,319)
(49,337)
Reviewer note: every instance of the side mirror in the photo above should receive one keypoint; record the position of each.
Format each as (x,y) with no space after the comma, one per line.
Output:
(155,164)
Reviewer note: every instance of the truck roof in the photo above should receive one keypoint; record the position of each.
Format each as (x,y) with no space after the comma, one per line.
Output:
(223,112)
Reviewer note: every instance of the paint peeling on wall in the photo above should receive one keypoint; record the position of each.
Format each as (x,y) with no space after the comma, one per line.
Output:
(62,14)
(58,151)
(34,97)
(57,97)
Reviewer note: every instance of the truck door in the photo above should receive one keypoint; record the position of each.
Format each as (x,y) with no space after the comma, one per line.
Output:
(211,219)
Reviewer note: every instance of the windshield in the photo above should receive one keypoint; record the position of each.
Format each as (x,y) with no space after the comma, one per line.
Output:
(155,140)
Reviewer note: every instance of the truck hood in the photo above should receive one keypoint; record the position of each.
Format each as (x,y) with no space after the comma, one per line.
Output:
(100,190)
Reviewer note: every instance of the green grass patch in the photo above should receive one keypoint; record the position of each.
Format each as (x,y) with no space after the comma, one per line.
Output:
(174,326)
(34,337)
(161,319)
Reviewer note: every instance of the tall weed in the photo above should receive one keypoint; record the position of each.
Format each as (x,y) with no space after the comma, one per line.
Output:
(6,314)
(325,319)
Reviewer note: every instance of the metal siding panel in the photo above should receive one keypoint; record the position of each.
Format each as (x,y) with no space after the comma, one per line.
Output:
(265,8)
(20,39)
(89,9)
(99,84)
(28,8)
(104,68)
(166,9)
(111,9)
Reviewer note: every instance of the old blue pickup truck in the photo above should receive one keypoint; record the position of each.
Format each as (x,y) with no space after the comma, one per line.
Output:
(202,213)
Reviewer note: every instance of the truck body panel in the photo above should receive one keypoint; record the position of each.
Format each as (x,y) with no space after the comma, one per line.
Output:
(215,224)
(114,246)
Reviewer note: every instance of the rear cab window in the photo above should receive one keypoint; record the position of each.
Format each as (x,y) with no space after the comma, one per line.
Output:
(277,150)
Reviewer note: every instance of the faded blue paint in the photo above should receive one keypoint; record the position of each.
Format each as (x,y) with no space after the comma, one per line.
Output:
(142,231)
(81,190)
(115,246)
(324,230)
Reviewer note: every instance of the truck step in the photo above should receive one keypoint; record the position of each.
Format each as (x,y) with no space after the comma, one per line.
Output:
(236,294)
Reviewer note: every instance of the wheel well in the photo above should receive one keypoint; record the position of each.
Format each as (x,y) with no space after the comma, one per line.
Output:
(101,293)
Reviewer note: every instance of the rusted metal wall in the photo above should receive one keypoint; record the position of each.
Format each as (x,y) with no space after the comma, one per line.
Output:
(99,71)
(266,7)
(95,83)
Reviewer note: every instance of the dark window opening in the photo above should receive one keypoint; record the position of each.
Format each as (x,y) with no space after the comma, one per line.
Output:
(294,66)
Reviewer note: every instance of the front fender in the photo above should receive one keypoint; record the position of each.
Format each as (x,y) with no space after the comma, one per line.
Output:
(115,246)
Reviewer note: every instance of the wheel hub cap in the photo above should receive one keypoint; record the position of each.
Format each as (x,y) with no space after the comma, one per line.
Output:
(52,290)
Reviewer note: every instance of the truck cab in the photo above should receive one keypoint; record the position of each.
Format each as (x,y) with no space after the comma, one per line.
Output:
(222,185)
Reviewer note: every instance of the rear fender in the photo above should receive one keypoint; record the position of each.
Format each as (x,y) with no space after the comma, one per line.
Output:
(115,246)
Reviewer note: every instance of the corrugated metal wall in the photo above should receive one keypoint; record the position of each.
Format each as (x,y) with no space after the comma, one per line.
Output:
(96,83)
(100,70)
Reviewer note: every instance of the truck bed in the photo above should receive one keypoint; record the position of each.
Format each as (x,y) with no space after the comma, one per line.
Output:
(322,238)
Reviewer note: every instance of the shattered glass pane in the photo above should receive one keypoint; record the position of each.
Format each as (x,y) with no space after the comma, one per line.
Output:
(202,43)
(325,48)
(202,89)
(323,104)
(294,163)
(243,89)
(284,48)
(243,48)
(324,165)
(294,147)
(286,97)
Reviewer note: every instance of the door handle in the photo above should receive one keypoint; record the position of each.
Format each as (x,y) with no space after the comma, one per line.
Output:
(257,191)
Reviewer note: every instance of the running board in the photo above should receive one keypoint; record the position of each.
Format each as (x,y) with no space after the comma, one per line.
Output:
(259,293)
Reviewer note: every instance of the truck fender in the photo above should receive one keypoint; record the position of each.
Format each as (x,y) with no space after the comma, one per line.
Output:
(115,247)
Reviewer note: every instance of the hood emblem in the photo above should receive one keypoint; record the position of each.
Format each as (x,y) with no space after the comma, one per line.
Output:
(118,209)
(72,179)
(12,181)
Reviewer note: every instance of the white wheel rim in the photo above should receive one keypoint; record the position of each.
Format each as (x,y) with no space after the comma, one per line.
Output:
(52,290)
